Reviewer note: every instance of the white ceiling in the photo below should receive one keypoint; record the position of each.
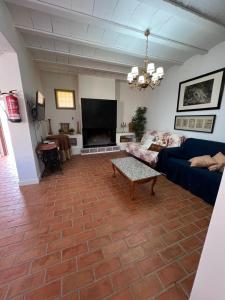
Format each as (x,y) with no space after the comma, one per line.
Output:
(107,35)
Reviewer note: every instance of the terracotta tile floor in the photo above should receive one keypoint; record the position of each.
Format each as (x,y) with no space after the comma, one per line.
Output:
(79,236)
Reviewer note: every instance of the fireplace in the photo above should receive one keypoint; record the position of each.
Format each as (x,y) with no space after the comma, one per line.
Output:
(99,122)
(98,137)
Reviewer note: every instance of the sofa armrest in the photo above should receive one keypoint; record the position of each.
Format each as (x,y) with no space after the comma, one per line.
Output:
(165,154)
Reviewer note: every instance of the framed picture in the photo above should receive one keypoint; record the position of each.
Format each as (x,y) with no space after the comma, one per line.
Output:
(201,93)
(199,123)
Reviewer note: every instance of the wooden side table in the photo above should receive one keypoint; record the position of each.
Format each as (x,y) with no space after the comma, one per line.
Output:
(49,154)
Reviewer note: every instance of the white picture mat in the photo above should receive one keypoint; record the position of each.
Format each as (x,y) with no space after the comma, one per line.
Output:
(215,92)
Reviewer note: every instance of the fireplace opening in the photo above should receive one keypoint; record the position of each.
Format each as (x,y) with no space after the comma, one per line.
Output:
(99,137)
(99,118)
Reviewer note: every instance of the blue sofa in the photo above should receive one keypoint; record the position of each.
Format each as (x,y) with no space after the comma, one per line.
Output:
(200,181)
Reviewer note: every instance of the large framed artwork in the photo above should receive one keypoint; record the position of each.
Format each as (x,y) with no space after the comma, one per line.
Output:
(201,93)
(199,123)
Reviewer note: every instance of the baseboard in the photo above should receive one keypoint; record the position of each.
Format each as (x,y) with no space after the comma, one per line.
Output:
(29,182)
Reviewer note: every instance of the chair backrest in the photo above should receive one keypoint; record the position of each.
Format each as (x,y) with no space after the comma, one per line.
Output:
(197,147)
(171,139)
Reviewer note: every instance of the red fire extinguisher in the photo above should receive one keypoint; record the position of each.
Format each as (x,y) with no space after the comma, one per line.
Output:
(12,109)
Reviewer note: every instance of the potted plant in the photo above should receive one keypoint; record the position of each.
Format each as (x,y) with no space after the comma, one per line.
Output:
(138,122)
(71,131)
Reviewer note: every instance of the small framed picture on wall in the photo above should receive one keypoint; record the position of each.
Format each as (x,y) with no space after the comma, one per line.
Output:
(198,123)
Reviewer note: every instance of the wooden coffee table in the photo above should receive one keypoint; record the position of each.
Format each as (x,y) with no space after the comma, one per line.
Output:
(136,171)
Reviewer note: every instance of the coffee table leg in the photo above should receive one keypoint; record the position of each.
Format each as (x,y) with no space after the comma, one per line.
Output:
(114,170)
(132,188)
(153,184)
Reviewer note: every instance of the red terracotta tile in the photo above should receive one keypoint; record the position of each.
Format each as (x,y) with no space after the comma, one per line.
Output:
(31,254)
(172,252)
(125,277)
(122,295)
(150,264)
(191,243)
(203,223)
(72,230)
(13,273)
(114,248)
(50,291)
(59,270)
(187,284)
(45,261)
(86,211)
(77,280)
(60,244)
(85,236)
(11,239)
(25,284)
(89,259)
(64,225)
(7,261)
(146,288)
(173,293)
(189,229)
(121,234)
(71,296)
(190,262)
(132,255)
(99,242)
(98,290)
(172,237)
(107,267)
(136,239)
(74,251)
(3,292)
(171,274)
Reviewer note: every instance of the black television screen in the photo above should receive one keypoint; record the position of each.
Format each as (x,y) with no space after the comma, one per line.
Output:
(99,113)
(40,106)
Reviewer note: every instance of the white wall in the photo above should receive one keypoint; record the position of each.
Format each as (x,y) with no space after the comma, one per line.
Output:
(209,281)
(128,101)
(91,87)
(162,107)
(19,132)
(96,87)
(23,135)
(51,81)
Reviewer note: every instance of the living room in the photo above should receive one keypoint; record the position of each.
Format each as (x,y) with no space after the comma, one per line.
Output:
(112,149)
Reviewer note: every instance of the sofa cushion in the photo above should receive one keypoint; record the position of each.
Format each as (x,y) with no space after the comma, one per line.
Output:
(147,142)
(203,161)
(156,147)
(217,167)
(219,158)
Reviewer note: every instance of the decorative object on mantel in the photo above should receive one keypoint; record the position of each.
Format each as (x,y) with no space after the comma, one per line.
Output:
(64,128)
(123,126)
(71,131)
(201,93)
(148,76)
(130,127)
(49,127)
(199,123)
(78,127)
(138,122)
